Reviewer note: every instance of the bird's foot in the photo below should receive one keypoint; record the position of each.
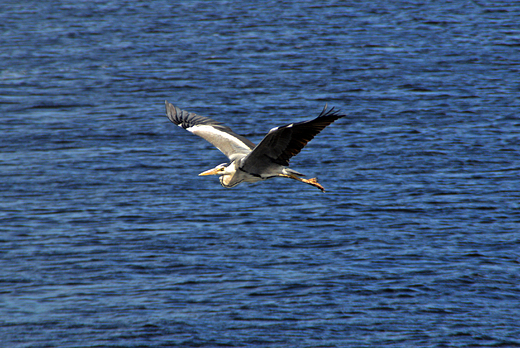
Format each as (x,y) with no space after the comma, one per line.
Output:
(313,182)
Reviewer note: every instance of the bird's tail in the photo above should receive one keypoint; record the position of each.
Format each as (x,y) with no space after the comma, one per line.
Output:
(289,171)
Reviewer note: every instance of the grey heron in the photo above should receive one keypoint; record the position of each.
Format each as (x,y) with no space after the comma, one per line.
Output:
(250,163)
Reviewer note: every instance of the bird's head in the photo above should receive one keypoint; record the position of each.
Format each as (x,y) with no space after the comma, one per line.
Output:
(221,169)
(226,172)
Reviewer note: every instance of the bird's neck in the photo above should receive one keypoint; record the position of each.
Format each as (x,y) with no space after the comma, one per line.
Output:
(231,168)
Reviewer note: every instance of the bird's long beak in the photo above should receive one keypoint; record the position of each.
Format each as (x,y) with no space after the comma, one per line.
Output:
(213,171)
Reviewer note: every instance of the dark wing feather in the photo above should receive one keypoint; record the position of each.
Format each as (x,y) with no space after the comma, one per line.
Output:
(222,137)
(282,143)
(187,119)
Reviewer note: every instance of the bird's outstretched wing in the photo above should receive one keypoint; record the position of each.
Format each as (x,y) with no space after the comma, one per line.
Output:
(223,138)
(282,143)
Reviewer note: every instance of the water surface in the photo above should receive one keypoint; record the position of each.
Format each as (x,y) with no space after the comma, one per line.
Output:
(110,239)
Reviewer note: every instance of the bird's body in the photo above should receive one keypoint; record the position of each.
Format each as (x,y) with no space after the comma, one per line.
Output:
(250,163)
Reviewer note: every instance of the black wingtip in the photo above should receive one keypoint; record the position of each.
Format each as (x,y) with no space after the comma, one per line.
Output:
(172,112)
(332,112)
(178,116)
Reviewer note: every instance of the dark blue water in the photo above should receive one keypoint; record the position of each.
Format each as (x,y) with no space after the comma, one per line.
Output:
(110,239)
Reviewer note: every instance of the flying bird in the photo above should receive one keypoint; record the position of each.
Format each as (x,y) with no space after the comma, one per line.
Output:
(250,163)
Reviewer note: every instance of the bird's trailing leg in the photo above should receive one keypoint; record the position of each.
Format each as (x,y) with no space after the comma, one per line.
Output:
(313,181)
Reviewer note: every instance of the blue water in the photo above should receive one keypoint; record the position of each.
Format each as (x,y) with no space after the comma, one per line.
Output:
(108,238)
